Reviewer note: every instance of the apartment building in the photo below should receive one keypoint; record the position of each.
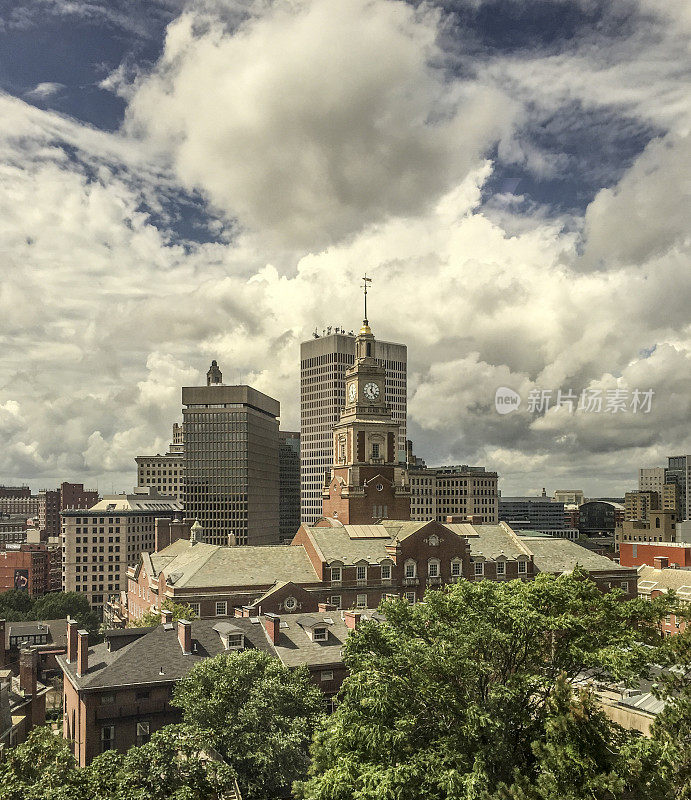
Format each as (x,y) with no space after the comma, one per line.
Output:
(437,492)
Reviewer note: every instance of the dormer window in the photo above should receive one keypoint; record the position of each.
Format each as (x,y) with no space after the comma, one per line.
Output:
(335,573)
(320,634)
(236,641)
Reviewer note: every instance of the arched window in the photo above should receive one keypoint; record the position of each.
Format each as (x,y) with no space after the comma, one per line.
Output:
(433,568)
(456,566)
(410,569)
(657,522)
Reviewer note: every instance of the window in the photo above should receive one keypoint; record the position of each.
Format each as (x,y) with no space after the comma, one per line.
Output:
(625,585)
(107,737)
(221,608)
(143,733)
(236,641)
(327,675)
(320,634)
(522,567)
(335,573)
(433,569)
(106,699)
(455,568)
(410,597)
(386,572)
(410,569)
(361,601)
(361,573)
(290,603)
(375,450)
(479,567)
(195,607)
(501,568)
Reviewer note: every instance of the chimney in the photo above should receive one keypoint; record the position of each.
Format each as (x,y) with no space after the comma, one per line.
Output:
(352,619)
(185,636)
(71,640)
(322,608)
(82,652)
(28,670)
(272,623)
(3,654)
(661,562)
(166,617)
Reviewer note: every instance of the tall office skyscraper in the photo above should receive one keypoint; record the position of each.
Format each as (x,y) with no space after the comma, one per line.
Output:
(323,364)
(231,472)
(679,471)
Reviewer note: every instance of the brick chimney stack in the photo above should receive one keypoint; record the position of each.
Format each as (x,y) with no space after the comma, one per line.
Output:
(661,562)
(166,615)
(28,670)
(82,653)
(352,619)
(72,628)
(185,636)
(272,623)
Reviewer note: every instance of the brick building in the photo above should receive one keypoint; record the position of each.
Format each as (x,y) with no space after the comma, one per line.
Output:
(349,566)
(27,567)
(116,694)
(51,502)
(637,554)
(660,579)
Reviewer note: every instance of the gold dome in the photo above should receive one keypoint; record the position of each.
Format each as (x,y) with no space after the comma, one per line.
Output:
(365,329)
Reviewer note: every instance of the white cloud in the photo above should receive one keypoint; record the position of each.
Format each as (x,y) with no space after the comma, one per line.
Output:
(105,315)
(44,90)
(317,117)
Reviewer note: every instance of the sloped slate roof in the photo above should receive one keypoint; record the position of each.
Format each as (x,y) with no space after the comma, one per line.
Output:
(336,545)
(141,661)
(562,555)
(203,565)
(660,580)
(492,542)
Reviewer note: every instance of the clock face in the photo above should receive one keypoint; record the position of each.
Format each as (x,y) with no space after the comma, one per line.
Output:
(352,392)
(371,391)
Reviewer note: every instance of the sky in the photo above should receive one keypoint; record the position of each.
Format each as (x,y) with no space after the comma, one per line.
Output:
(188,180)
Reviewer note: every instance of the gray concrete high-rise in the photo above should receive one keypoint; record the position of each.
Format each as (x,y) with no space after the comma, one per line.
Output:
(679,471)
(323,364)
(231,464)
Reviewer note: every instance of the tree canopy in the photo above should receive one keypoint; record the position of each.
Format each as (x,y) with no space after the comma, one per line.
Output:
(176,764)
(151,618)
(258,714)
(17,606)
(470,696)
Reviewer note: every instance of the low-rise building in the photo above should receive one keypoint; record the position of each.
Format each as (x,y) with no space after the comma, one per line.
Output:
(347,566)
(638,554)
(116,694)
(660,579)
(539,513)
(659,527)
(26,567)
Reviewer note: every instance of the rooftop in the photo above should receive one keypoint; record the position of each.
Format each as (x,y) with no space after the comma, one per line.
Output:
(561,555)
(187,565)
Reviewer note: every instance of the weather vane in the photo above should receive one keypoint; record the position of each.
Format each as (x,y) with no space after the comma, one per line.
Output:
(365,280)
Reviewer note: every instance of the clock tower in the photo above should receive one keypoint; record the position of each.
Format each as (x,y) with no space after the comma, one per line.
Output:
(366,483)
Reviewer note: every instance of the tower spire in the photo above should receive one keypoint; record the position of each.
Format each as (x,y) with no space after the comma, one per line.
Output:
(365,324)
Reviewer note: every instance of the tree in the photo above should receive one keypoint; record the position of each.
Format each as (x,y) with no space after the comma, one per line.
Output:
(454,697)
(59,605)
(151,618)
(174,765)
(15,605)
(258,714)
(41,767)
(177,764)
